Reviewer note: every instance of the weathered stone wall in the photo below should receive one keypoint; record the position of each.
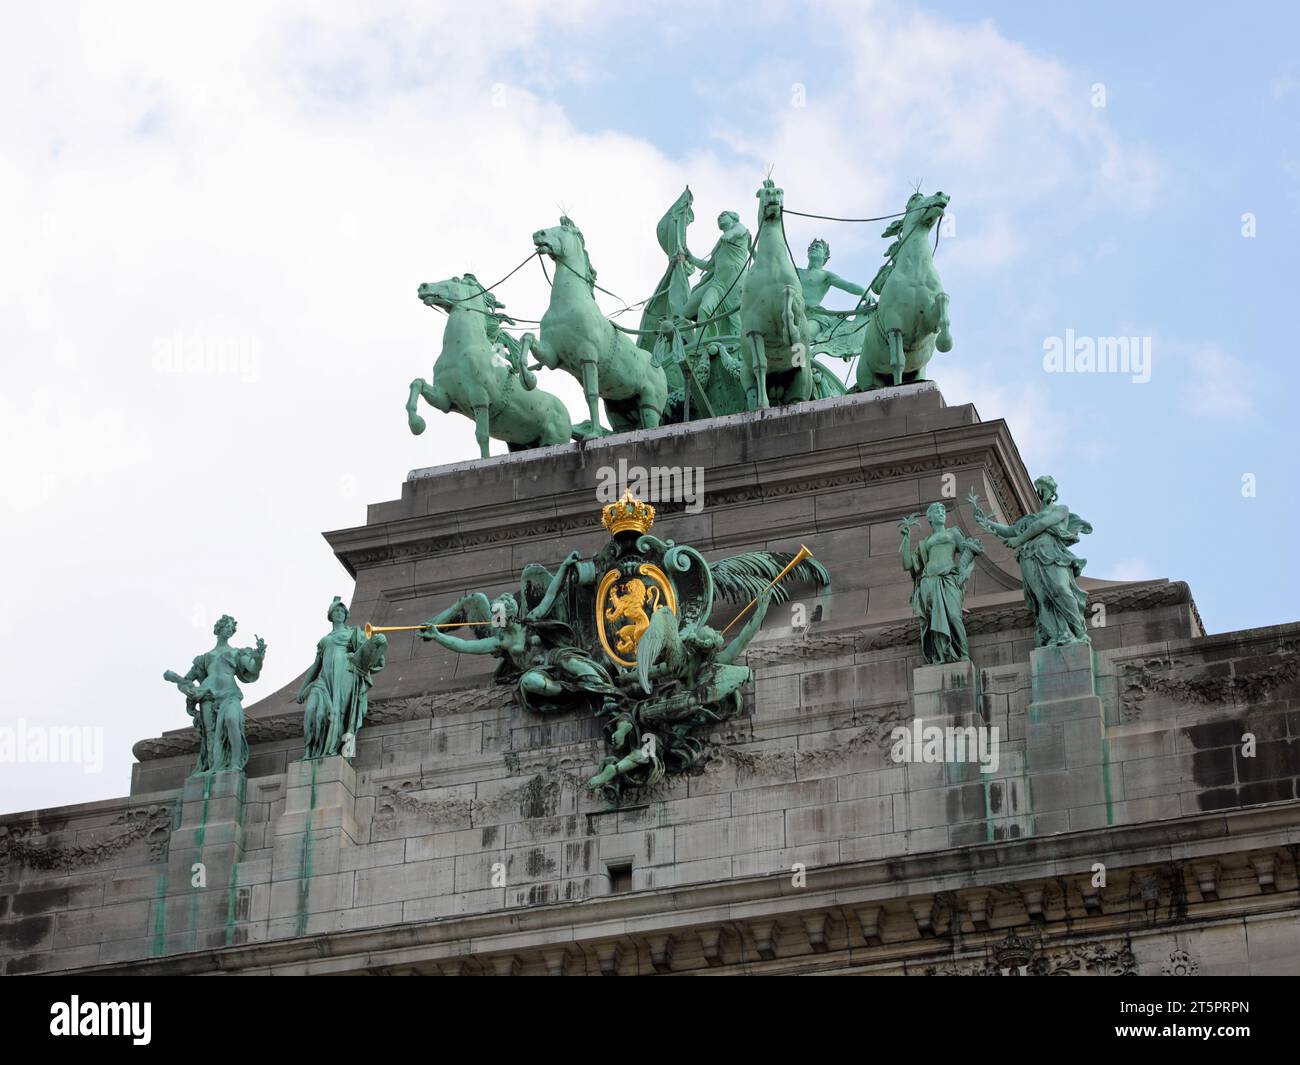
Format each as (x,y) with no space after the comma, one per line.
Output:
(412,834)
(461,839)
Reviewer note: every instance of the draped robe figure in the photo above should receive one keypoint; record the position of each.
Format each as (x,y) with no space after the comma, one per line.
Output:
(214,700)
(1048,567)
(940,567)
(337,684)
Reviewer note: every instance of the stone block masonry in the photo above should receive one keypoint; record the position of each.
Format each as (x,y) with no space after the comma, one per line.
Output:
(460,838)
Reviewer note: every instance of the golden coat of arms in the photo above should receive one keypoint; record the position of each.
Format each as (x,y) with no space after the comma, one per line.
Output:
(625,604)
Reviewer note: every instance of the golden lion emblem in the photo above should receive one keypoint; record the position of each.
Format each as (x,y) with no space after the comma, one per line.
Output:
(636,605)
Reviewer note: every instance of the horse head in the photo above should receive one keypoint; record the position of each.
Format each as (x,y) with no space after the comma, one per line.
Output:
(565,244)
(771,202)
(922,213)
(456,292)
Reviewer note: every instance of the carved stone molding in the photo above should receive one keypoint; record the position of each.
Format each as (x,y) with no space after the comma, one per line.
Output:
(32,847)
(1181,963)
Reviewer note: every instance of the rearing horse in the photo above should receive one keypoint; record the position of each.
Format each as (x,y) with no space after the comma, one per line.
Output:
(911,320)
(577,338)
(774,328)
(480,380)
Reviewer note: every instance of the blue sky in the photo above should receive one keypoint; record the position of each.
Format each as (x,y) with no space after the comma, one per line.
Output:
(276,180)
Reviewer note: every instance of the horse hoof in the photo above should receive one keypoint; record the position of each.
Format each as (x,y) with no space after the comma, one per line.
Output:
(943,342)
(416,423)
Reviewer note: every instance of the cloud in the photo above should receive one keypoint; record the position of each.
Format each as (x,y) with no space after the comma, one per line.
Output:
(1131,569)
(1211,383)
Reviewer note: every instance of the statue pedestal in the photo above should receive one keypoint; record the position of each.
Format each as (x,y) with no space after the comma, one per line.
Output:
(946,696)
(318,823)
(201,857)
(1061,675)
(1065,737)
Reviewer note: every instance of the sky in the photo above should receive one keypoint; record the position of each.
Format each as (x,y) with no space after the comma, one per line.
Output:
(214,219)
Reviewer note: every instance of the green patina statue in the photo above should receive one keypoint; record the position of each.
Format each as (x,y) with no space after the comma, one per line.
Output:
(577,338)
(1048,568)
(335,686)
(940,566)
(687,675)
(547,675)
(699,346)
(721,280)
(775,330)
(911,320)
(625,635)
(481,374)
(816,281)
(213,699)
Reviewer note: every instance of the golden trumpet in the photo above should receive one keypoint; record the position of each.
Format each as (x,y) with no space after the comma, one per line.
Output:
(803,554)
(370,629)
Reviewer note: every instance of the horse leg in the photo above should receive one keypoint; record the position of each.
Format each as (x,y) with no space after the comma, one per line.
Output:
(653,396)
(897,360)
(591,388)
(432,396)
(481,429)
(944,340)
(531,345)
(756,397)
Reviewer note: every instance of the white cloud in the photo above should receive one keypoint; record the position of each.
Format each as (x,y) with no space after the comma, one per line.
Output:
(1211,383)
(1131,569)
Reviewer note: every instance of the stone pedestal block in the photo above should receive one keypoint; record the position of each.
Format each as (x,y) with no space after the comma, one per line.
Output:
(320,794)
(1061,674)
(318,823)
(1065,734)
(947,696)
(196,910)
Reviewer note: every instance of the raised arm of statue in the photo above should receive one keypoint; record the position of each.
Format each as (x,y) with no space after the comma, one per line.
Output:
(250,661)
(910,562)
(1039,523)
(555,587)
(1002,532)
(485,646)
(835,281)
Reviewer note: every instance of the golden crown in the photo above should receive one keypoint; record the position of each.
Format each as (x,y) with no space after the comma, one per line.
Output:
(628,514)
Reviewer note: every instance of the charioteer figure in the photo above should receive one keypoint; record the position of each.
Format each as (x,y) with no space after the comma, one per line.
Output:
(816,281)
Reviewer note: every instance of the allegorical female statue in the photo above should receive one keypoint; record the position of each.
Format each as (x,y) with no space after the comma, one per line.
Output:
(940,566)
(1047,566)
(214,701)
(336,685)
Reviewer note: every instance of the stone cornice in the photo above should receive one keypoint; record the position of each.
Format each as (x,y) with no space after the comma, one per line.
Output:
(985,444)
(1032,881)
